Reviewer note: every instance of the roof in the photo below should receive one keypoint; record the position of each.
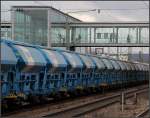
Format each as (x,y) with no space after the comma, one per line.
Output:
(48,7)
(103,24)
(93,24)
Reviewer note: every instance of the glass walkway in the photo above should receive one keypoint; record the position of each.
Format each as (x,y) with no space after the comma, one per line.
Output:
(100,34)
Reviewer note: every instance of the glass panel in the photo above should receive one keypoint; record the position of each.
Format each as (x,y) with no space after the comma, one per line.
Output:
(127,35)
(122,35)
(133,35)
(106,35)
(144,35)
(31,26)
(81,35)
(58,35)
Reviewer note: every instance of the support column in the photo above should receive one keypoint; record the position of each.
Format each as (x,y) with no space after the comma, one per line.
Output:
(90,40)
(139,35)
(117,52)
(129,53)
(13,13)
(73,40)
(67,34)
(128,42)
(117,42)
(73,32)
(48,28)
(94,35)
(68,38)
(116,36)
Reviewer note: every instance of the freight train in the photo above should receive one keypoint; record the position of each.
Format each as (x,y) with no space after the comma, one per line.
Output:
(29,71)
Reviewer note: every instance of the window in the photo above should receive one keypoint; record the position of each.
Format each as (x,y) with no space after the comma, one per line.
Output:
(99,36)
(105,35)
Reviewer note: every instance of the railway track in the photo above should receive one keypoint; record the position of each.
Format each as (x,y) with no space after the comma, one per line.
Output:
(144,114)
(69,106)
(88,107)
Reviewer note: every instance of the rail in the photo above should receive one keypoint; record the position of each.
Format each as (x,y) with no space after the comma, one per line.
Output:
(143,113)
(58,107)
(85,108)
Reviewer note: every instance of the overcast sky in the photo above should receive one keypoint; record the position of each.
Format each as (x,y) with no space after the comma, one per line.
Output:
(110,10)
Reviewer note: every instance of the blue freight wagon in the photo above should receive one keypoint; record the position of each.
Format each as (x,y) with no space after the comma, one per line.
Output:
(29,71)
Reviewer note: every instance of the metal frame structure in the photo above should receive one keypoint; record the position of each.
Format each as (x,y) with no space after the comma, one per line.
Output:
(94,25)
(101,25)
(101,45)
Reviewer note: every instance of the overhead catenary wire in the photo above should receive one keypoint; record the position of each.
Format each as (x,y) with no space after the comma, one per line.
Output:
(106,10)
(85,10)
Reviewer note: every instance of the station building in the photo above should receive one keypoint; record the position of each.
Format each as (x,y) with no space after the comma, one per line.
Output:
(47,26)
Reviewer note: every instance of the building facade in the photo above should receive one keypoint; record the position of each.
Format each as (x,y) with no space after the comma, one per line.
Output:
(47,26)
(32,24)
